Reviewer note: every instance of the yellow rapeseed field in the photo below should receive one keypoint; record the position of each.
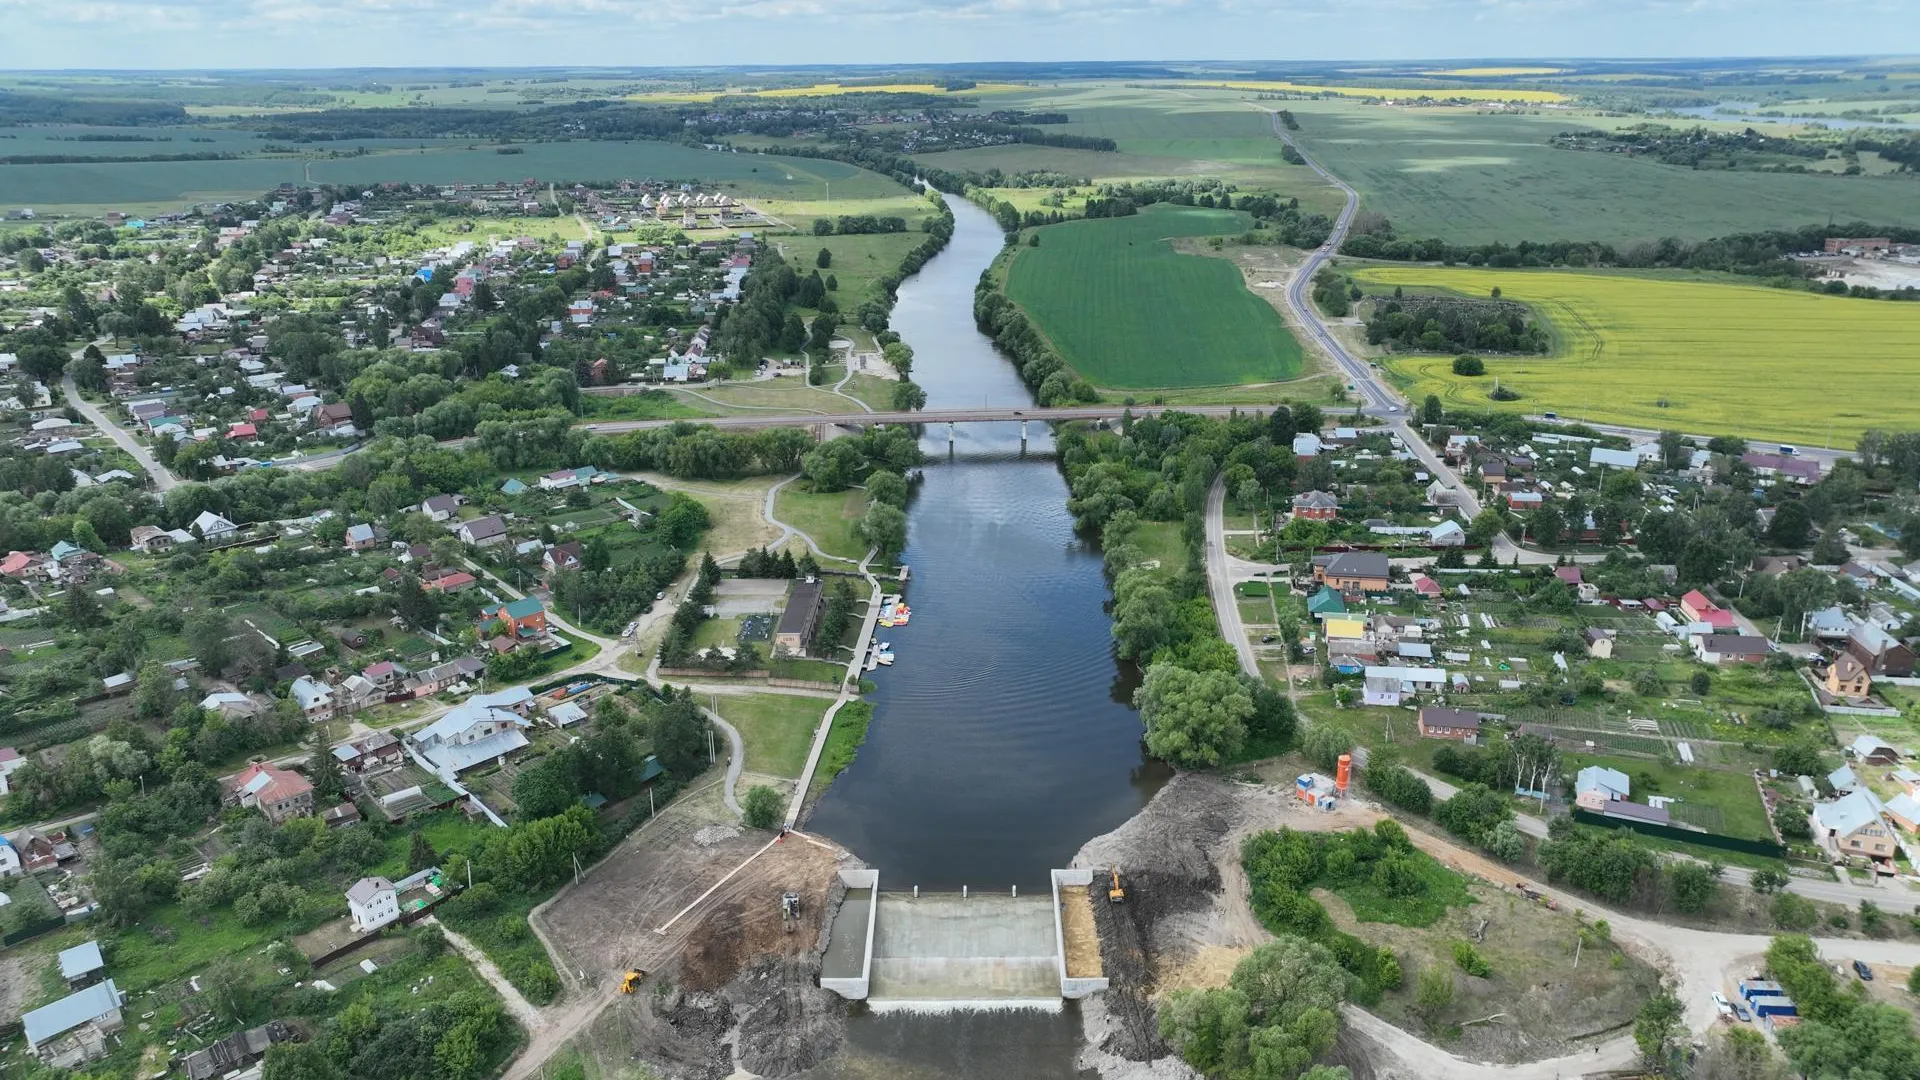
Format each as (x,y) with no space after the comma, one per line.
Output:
(1392,93)
(1700,357)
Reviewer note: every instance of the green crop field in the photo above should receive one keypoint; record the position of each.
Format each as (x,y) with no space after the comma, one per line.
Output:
(143,185)
(1469,176)
(1126,310)
(1700,357)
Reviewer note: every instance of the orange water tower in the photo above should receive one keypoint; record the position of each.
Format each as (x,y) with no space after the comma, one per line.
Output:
(1345,774)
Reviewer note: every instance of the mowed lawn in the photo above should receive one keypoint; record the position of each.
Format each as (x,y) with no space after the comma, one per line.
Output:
(1127,311)
(1698,357)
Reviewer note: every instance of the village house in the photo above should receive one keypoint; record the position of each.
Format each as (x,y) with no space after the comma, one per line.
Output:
(486,728)
(1904,810)
(1850,826)
(364,537)
(565,556)
(370,753)
(90,1015)
(280,794)
(44,851)
(1457,724)
(1884,655)
(441,676)
(1872,750)
(1315,506)
(1777,467)
(483,531)
(448,581)
(9,859)
(230,705)
(1597,785)
(1847,677)
(1723,649)
(1697,608)
(373,902)
(237,1051)
(441,507)
(11,761)
(314,698)
(1388,686)
(1354,571)
(213,528)
(524,618)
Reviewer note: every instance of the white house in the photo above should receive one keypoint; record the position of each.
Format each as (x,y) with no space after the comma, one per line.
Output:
(1447,534)
(373,902)
(9,858)
(10,760)
(1387,685)
(229,705)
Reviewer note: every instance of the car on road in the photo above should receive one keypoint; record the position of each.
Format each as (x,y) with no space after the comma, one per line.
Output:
(1726,1007)
(1741,1013)
(631,627)
(1861,969)
(661,595)
(1266,639)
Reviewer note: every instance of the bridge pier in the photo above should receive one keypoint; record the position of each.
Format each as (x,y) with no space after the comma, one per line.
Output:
(950,434)
(1023,436)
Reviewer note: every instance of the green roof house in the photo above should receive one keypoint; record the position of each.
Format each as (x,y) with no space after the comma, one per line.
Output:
(1326,602)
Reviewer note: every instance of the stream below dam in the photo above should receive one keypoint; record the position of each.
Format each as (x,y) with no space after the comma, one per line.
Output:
(1004,738)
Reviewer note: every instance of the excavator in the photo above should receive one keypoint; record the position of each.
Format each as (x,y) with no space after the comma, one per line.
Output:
(631,980)
(1115,894)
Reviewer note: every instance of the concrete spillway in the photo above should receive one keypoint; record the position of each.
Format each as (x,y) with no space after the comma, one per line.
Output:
(941,951)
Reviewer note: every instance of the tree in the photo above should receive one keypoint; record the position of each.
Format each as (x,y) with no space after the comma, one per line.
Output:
(1432,994)
(1193,718)
(1767,880)
(229,984)
(908,396)
(1655,1029)
(1792,525)
(762,807)
(824,259)
(1673,451)
(1469,366)
(300,1061)
(1506,843)
(420,853)
(1790,912)
(885,527)
(1694,886)
(324,771)
(153,689)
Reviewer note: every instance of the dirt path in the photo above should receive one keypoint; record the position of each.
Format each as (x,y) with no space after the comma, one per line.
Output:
(522,1009)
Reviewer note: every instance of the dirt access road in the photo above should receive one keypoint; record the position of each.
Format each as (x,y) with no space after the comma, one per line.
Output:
(1192,832)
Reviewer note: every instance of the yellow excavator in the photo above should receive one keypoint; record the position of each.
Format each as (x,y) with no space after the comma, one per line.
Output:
(631,981)
(1115,894)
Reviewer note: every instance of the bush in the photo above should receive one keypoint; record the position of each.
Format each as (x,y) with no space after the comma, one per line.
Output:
(762,807)
(1469,365)
(1469,959)
(431,940)
(1790,912)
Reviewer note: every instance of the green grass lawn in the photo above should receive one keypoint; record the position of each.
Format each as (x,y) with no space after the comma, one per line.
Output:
(776,728)
(1732,794)
(651,405)
(858,260)
(828,517)
(1441,889)
(1126,310)
(843,742)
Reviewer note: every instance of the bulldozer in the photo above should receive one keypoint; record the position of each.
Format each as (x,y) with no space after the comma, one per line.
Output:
(790,910)
(631,980)
(1115,894)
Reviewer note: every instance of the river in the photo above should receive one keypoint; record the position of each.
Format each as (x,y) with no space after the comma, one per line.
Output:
(1003,738)
(1742,112)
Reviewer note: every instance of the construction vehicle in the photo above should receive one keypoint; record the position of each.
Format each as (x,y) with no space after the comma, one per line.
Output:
(1115,894)
(631,980)
(790,910)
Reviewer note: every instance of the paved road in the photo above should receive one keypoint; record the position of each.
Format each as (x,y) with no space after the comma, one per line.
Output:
(162,479)
(1220,583)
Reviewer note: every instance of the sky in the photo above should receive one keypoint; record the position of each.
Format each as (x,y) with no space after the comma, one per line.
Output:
(158,34)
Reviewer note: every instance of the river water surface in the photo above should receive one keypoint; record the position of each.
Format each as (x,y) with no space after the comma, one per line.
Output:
(1003,738)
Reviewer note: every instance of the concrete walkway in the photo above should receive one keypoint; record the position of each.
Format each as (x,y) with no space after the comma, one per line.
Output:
(850,680)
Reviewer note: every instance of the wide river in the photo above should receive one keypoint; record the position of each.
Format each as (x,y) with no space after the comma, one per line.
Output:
(1003,738)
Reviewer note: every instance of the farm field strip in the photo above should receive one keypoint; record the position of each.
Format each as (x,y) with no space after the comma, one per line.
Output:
(1695,356)
(1125,310)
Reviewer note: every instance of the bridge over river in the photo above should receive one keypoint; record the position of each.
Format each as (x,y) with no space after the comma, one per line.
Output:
(989,414)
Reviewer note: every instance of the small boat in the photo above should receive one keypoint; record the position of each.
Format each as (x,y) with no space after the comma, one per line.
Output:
(884,646)
(884,659)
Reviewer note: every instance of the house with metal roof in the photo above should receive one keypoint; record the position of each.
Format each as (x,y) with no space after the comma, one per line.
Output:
(472,735)
(82,965)
(1597,785)
(96,1008)
(1851,826)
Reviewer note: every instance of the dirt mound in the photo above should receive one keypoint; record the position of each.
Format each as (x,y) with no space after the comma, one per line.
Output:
(1173,835)
(787,1023)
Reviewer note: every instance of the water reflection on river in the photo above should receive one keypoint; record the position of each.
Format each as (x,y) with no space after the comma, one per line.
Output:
(1002,739)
